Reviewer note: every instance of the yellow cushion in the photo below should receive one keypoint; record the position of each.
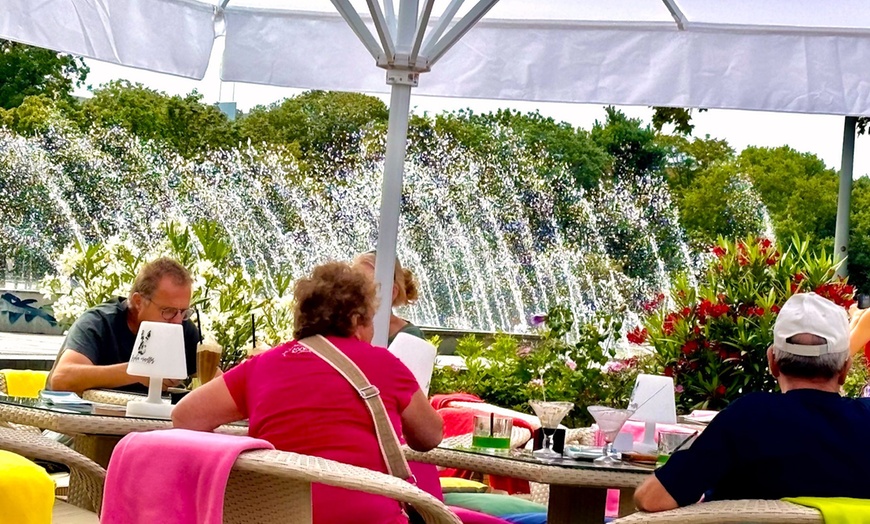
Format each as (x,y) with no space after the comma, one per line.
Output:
(457,485)
(24,382)
(26,491)
(837,510)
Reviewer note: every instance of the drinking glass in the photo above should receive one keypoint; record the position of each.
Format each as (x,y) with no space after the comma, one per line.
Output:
(550,414)
(610,422)
(492,432)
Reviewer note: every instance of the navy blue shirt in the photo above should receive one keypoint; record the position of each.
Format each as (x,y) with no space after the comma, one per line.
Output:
(771,445)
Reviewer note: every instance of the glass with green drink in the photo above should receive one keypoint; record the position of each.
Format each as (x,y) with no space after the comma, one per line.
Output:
(492,432)
(670,442)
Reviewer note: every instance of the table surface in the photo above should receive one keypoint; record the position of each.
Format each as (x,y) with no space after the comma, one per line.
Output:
(523,464)
(64,419)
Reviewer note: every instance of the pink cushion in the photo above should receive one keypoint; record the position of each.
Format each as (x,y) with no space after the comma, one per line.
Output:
(468,516)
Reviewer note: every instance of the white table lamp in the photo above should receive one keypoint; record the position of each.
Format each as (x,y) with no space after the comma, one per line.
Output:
(418,355)
(653,402)
(158,353)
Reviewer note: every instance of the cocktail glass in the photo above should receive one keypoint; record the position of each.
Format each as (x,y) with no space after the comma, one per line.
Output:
(610,422)
(550,414)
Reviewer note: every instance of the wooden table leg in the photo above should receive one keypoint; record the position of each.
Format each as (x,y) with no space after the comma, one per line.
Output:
(575,505)
(97,448)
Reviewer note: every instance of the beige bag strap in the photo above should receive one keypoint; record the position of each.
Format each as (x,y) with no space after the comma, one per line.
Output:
(395,460)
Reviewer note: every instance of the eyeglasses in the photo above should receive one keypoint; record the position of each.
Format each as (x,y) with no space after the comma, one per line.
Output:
(169,313)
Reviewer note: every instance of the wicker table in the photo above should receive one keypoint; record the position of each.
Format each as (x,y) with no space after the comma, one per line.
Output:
(94,436)
(578,489)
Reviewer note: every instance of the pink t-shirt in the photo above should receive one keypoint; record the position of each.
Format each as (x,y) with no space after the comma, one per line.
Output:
(299,403)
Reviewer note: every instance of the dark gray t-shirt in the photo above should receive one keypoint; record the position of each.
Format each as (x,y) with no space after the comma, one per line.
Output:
(102,335)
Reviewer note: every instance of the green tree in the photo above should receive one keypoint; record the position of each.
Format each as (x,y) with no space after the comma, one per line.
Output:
(26,70)
(326,127)
(632,146)
(859,236)
(183,122)
(800,192)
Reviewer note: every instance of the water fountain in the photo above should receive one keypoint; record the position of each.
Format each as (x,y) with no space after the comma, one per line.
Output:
(480,263)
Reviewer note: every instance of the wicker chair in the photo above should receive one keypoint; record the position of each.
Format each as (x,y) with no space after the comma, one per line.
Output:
(731,511)
(265,486)
(35,446)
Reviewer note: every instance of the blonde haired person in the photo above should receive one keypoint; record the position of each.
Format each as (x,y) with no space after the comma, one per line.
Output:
(404,293)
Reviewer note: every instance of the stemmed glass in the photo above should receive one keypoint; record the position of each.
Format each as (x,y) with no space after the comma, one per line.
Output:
(550,415)
(610,422)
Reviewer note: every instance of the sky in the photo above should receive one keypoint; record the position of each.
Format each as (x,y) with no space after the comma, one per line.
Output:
(818,134)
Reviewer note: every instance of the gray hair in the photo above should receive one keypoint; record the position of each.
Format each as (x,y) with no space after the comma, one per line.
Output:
(823,366)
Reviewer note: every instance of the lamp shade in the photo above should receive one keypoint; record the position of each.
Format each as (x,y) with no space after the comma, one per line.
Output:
(418,355)
(653,400)
(158,351)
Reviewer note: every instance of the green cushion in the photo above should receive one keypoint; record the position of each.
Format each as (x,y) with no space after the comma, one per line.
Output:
(493,504)
(458,485)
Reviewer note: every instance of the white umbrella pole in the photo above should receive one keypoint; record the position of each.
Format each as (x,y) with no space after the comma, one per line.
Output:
(844,200)
(391,200)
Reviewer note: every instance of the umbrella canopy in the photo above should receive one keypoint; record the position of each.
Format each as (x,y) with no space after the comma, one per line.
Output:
(805,56)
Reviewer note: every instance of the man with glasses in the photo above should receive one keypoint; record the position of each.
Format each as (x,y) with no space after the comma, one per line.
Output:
(96,350)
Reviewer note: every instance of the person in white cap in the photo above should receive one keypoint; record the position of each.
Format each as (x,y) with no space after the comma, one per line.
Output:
(806,441)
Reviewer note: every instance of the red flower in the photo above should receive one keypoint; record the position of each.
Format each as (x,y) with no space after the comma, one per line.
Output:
(774,309)
(686,311)
(720,310)
(719,251)
(720,390)
(669,371)
(690,347)
(754,311)
(799,277)
(765,243)
(668,324)
(637,336)
(772,259)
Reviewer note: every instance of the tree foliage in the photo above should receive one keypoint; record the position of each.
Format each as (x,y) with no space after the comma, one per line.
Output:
(27,71)
(183,122)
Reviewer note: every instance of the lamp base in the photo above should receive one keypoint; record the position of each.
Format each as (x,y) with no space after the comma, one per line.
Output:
(648,445)
(142,409)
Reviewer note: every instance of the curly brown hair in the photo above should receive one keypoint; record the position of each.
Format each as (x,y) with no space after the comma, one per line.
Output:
(333,300)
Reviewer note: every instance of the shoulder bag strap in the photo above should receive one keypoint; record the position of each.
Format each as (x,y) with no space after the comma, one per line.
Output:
(395,460)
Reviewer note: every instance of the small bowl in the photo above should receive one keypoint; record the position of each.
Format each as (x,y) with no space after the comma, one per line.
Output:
(176,394)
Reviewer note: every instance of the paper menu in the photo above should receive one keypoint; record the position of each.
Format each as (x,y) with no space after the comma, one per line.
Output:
(418,355)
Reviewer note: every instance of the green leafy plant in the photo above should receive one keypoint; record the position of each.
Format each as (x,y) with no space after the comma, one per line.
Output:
(713,339)
(508,373)
(226,294)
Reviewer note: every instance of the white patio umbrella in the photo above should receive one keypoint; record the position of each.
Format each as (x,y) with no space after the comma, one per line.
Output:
(803,56)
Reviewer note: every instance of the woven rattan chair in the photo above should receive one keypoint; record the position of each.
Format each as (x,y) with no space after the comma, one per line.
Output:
(34,446)
(264,486)
(106,396)
(730,511)
(268,486)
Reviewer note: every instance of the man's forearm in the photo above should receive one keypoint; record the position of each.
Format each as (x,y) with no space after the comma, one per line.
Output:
(79,377)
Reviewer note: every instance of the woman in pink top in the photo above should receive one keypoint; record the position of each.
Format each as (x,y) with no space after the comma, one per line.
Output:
(299,403)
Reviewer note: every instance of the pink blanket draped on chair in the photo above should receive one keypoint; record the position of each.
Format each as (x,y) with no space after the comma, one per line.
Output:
(172,476)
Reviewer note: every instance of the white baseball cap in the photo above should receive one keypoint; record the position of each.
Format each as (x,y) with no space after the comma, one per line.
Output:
(809,313)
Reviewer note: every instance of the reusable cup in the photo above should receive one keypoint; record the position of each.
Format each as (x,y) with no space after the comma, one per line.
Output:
(492,432)
(208,358)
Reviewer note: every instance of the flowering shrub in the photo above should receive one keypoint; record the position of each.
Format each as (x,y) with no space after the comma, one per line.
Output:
(713,340)
(225,293)
(509,373)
